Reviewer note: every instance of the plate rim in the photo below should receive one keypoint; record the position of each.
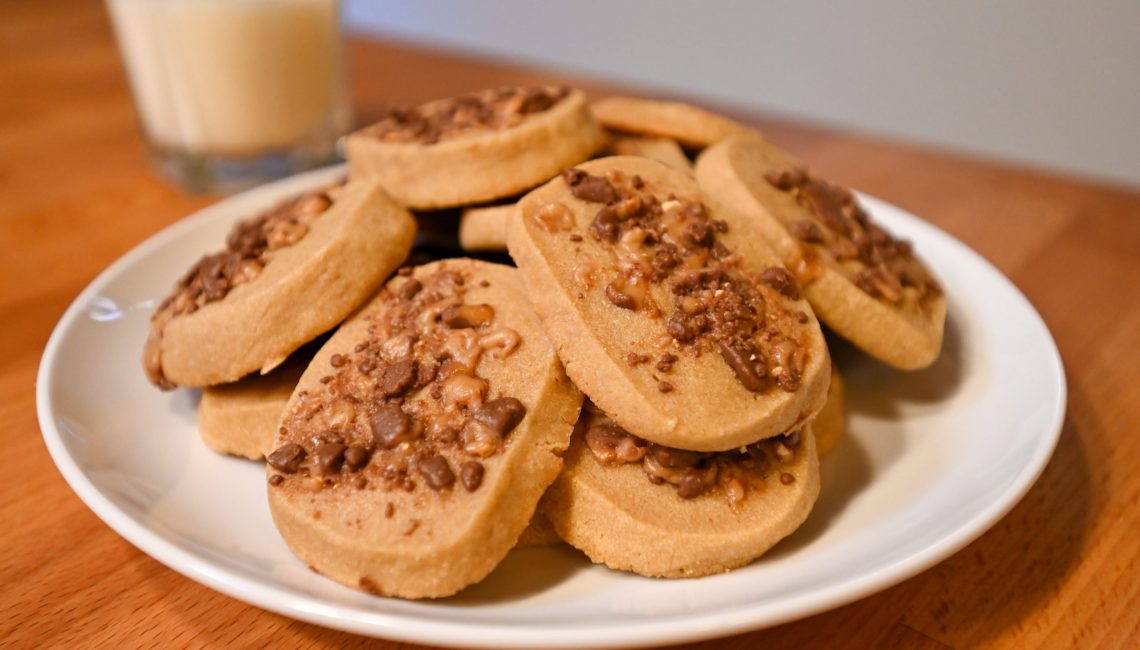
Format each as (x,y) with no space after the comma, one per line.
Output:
(470,633)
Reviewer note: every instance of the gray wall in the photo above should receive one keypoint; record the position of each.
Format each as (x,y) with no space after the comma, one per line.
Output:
(1050,83)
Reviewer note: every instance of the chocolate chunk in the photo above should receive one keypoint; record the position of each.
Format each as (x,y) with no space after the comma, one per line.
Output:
(464,316)
(781,280)
(746,363)
(787,479)
(786,179)
(397,378)
(699,234)
(619,298)
(679,328)
(276,480)
(425,373)
(391,426)
(573,176)
(674,458)
(664,387)
(330,456)
(410,288)
(594,189)
(605,226)
(356,457)
(338,360)
(806,230)
(691,486)
(665,363)
(286,458)
(501,415)
(436,472)
(471,475)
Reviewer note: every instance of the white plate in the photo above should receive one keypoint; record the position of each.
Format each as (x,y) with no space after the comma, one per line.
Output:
(933,459)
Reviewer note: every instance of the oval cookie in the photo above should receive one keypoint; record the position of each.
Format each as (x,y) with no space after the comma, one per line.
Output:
(691,126)
(239,418)
(284,278)
(670,315)
(477,147)
(631,505)
(484,228)
(421,437)
(861,281)
(830,425)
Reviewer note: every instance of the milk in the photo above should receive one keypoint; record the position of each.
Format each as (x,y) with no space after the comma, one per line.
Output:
(234,78)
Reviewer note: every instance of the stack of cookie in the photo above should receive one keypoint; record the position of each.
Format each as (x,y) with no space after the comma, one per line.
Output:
(649,385)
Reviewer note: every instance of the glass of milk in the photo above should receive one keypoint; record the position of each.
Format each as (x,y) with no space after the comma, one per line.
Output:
(231,93)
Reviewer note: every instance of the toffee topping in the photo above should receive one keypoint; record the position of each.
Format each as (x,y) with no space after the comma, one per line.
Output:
(881,266)
(717,305)
(730,474)
(406,406)
(448,119)
(249,247)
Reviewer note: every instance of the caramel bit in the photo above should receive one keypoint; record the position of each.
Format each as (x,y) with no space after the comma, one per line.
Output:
(717,304)
(729,473)
(480,112)
(880,265)
(554,217)
(407,406)
(249,247)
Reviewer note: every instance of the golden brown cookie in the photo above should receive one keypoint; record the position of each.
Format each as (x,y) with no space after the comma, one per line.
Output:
(663,512)
(239,418)
(418,442)
(670,315)
(484,228)
(539,532)
(861,281)
(691,126)
(661,149)
(477,147)
(830,425)
(284,278)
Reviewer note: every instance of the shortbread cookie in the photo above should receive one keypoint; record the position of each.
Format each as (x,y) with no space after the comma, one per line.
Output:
(862,282)
(240,418)
(665,512)
(830,425)
(539,532)
(418,442)
(672,317)
(484,228)
(284,278)
(661,149)
(691,126)
(475,148)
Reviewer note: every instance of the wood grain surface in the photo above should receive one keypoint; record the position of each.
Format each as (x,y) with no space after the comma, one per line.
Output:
(1061,570)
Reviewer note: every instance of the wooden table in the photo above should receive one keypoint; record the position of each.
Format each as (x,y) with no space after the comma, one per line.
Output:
(76,193)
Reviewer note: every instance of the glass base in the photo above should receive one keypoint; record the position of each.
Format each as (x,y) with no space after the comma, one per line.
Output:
(218,174)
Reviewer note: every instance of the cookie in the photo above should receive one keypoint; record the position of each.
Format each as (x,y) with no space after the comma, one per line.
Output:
(865,284)
(420,439)
(477,147)
(661,149)
(693,127)
(484,228)
(830,425)
(284,278)
(239,418)
(539,532)
(663,512)
(671,316)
